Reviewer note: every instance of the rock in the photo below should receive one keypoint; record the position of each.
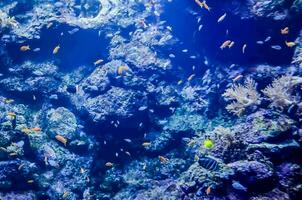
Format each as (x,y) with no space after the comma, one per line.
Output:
(252,174)
(9,174)
(32,78)
(61,121)
(116,103)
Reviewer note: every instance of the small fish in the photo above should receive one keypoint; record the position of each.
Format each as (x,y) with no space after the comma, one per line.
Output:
(193,57)
(61,139)
(171,55)
(26,130)
(116,154)
(243,48)
(220,19)
(268,39)
(209,163)
(9,101)
(25,48)
(122,69)
(142,108)
(82,170)
(21,166)
(127,140)
(237,186)
(30,181)
(284,31)
(34,98)
(231,44)
(209,190)
(225,44)
(146,144)
(109,164)
(260,42)
(73,31)
(179,82)
(203,4)
(169,28)
(36,49)
(98,62)
(128,153)
(276,47)
(65,194)
(163,159)
(196,158)
(191,77)
(13,154)
(191,143)
(36,129)
(11,114)
(290,44)
(200,27)
(185,50)
(49,25)
(56,49)
(237,78)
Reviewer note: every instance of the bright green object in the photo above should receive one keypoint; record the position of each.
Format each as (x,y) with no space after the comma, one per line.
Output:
(208,144)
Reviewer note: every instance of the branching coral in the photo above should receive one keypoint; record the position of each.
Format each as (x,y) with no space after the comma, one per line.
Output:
(242,96)
(280,91)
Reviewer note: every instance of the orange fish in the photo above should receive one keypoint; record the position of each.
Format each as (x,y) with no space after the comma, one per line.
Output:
(209,190)
(56,49)
(36,129)
(237,78)
(25,130)
(285,31)
(11,114)
(25,48)
(61,139)
(191,77)
(225,44)
(162,159)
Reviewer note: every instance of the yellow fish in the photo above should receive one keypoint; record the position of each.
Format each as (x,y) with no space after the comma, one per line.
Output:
(285,31)
(26,130)
(203,4)
(98,62)
(122,69)
(61,139)
(225,44)
(65,194)
(25,48)
(56,49)
(30,181)
(243,48)
(145,144)
(8,101)
(11,114)
(290,44)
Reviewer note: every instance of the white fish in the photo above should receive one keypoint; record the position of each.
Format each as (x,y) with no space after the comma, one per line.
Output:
(260,42)
(142,108)
(276,47)
(141,124)
(268,39)
(200,27)
(127,140)
(73,31)
(116,154)
(193,57)
(220,19)
(193,67)
(185,50)
(198,19)
(171,55)
(36,49)
(169,28)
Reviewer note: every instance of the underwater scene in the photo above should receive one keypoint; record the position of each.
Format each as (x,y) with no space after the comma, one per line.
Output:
(150,99)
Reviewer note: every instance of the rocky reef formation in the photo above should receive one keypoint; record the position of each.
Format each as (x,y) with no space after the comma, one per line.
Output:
(146,118)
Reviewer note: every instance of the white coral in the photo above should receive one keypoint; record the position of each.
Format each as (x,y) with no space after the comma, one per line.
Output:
(280,91)
(242,96)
